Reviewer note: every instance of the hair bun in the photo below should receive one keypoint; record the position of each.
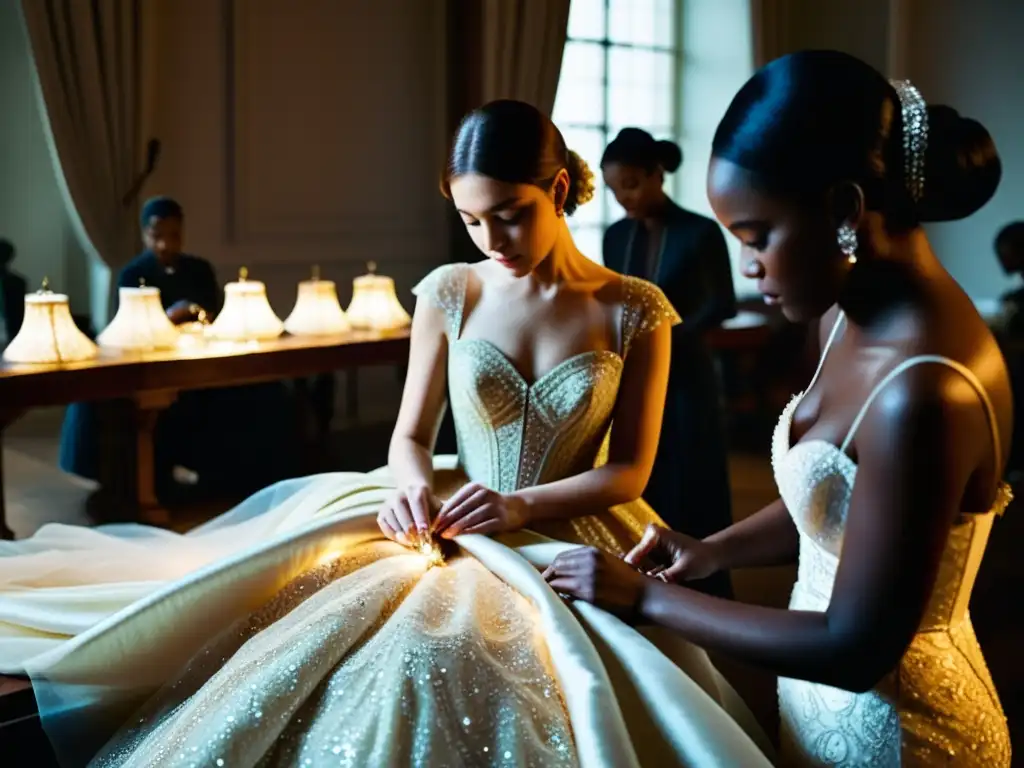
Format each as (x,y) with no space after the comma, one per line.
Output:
(961,168)
(581,183)
(670,155)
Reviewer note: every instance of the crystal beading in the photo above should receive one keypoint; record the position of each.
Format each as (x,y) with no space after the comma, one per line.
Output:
(915,136)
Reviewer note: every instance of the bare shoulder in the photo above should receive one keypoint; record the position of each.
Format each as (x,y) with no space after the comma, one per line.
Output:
(950,398)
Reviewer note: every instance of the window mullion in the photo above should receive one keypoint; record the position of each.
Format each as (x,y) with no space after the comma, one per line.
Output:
(606,111)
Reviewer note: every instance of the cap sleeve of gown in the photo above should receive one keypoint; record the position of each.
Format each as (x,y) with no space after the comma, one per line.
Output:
(445,288)
(646,308)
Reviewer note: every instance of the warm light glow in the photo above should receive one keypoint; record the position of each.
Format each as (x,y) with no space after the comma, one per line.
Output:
(48,333)
(429,549)
(375,307)
(141,324)
(246,315)
(317,311)
(327,558)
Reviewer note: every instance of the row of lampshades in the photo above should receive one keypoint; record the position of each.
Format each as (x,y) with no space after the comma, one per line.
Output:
(48,333)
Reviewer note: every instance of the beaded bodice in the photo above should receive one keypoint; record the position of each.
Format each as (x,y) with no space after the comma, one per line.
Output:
(513,433)
(939,705)
(815,480)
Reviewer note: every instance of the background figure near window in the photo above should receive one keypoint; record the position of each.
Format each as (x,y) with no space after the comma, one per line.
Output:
(685,254)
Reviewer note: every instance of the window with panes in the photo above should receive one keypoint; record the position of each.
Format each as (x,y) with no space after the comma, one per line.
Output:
(619,69)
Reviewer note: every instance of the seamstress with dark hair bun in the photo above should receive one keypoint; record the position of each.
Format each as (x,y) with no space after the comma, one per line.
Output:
(685,255)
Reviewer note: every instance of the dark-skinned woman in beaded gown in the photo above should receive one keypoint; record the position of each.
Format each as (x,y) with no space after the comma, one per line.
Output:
(889,465)
(292,632)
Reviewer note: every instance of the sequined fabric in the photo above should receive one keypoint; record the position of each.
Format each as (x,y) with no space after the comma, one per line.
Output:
(367,661)
(939,707)
(375,658)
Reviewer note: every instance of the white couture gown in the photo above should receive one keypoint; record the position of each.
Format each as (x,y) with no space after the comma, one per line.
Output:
(939,706)
(288,632)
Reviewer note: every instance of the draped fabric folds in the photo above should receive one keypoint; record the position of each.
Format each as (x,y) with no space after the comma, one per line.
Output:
(89,64)
(522,49)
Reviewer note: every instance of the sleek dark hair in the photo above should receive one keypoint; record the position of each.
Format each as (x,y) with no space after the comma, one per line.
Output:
(1012,235)
(636,147)
(514,142)
(161,208)
(812,119)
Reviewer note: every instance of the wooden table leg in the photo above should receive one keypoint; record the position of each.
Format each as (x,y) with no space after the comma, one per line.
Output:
(148,408)
(6,419)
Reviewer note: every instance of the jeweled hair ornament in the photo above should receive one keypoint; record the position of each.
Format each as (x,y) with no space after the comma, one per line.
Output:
(915,136)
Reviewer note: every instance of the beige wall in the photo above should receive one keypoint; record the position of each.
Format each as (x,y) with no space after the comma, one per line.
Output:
(302,133)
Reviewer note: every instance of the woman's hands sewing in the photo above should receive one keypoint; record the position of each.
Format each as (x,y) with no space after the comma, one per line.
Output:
(594,576)
(405,516)
(413,514)
(617,585)
(476,509)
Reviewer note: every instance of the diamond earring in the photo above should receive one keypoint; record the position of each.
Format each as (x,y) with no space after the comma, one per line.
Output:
(847,240)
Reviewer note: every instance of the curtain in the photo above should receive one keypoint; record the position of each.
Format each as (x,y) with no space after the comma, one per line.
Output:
(88,61)
(522,50)
(770,21)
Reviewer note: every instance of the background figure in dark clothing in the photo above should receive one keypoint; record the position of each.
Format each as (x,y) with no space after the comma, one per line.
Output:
(685,254)
(12,295)
(221,439)
(1010,251)
(188,285)
(1009,247)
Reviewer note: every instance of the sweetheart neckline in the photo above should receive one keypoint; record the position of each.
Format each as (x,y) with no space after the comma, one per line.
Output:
(788,413)
(547,374)
(790,409)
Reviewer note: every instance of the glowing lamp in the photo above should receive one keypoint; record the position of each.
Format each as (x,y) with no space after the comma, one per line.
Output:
(141,324)
(246,315)
(317,311)
(375,306)
(48,333)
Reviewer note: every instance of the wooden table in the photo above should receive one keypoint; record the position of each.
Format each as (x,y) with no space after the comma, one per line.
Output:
(153,380)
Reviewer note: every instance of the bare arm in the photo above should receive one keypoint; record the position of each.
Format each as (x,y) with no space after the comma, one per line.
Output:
(423,399)
(916,451)
(768,537)
(636,427)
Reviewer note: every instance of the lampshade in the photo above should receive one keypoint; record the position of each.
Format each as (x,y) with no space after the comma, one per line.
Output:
(317,311)
(141,324)
(48,333)
(246,315)
(375,307)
